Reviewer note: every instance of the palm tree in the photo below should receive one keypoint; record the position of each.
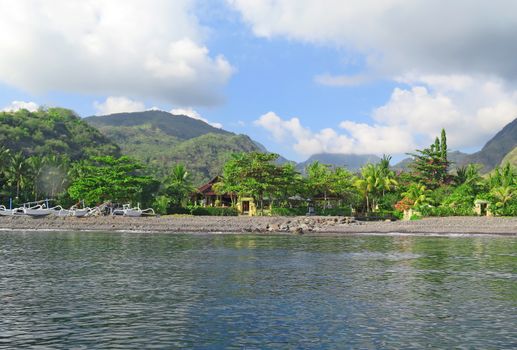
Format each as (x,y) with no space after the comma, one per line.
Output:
(503,176)
(503,195)
(35,164)
(418,194)
(179,185)
(370,185)
(468,175)
(18,172)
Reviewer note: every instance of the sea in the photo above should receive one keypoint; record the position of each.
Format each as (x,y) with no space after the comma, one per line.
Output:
(84,290)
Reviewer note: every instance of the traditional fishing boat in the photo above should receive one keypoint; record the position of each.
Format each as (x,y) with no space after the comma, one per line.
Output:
(73,211)
(126,210)
(37,211)
(6,212)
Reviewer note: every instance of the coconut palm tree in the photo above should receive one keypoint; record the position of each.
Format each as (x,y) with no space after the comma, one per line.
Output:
(18,172)
(179,185)
(418,194)
(503,195)
(35,164)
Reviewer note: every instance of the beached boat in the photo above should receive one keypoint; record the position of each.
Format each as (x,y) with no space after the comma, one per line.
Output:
(6,212)
(133,212)
(37,211)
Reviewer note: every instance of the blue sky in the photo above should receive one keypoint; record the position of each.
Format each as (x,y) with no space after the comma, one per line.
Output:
(301,77)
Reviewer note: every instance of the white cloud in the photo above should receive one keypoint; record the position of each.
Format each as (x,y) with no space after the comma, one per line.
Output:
(17,105)
(118,105)
(146,49)
(189,112)
(359,138)
(397,36)
(470,109)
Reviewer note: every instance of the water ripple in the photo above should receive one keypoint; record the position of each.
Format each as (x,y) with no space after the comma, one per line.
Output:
(118,290)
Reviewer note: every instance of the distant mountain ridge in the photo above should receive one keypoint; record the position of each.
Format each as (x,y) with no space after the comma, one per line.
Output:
(352,162)
(179,126)
(496,148)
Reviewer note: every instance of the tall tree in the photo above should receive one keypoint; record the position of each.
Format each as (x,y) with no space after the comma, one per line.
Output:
(18,173)
(319,181)
(430,165)
(443,145)
(101,179)
(254,174)
(179,185)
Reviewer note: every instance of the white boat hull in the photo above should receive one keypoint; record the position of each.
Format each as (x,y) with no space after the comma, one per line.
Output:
(37,212)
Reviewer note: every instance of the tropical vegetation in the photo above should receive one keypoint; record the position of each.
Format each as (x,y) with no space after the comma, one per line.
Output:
(53,154)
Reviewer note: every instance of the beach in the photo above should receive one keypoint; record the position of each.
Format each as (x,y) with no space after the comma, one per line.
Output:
(313,225)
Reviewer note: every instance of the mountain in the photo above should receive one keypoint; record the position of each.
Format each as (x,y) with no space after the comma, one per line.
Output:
(457,158)
(511,158)
(403,165)
(205,155)
(161,139)
(497,148)
(52,131)
(179,127)
(352,162)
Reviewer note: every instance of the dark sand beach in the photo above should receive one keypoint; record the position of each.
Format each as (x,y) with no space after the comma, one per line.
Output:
(288,225)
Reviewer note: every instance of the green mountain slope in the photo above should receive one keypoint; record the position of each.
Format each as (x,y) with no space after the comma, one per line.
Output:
(511,158)
(161,139)
(52,131)
(497,148)
(205,155)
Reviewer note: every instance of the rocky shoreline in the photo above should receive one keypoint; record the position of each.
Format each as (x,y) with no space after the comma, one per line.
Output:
(313,225)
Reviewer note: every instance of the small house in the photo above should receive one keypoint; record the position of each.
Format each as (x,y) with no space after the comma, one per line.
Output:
(207,197)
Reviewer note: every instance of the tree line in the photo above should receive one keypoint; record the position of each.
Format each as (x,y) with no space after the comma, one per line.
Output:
(428,187)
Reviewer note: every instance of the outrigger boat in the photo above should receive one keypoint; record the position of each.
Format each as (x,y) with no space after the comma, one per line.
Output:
(132,212)
(73,211)
(6,212)
(39,210)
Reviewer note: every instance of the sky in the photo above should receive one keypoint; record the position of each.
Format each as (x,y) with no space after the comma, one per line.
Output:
(299,76)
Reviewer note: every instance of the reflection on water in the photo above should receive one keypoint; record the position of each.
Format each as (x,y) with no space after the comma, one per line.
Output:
(83,290)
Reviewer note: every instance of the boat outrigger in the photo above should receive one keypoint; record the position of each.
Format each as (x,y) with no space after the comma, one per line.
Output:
(41,209)
(126,210)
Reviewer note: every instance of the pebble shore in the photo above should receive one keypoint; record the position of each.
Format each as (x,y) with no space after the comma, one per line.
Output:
(313,225)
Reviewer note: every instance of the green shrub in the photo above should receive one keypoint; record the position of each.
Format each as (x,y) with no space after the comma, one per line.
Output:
(178,210)
(346,211)
(288,211)
(300,211)
(160,205)
(446,210)
(213,211)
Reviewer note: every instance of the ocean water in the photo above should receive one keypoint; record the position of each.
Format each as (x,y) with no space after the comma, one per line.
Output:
(65,290)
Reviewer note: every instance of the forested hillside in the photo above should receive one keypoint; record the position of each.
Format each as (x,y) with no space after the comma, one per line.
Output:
(53,131)
(162,140)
